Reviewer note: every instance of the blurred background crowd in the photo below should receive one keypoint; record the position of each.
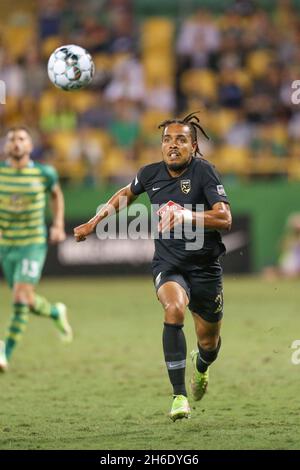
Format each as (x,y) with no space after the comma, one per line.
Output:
(234,61)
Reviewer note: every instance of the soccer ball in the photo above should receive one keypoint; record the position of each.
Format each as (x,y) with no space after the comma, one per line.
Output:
(70,67)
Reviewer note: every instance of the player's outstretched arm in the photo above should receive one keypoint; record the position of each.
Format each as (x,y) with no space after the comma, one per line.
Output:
(121,199)
(57,230)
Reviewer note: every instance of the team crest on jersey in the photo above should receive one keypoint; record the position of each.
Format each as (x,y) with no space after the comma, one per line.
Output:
(185,186)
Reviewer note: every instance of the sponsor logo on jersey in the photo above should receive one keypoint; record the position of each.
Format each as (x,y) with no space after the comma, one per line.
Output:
(170,206)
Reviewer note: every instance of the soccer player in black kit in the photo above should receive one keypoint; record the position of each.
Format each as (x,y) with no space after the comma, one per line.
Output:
(182,277)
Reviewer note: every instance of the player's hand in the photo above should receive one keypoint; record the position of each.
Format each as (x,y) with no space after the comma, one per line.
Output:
(172,218)
(82,231)
(169,220)
(57,234)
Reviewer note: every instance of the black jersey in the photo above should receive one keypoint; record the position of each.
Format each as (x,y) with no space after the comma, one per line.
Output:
(199,184)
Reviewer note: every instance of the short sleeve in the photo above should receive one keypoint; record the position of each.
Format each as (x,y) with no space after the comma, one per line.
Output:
(213,188)
(51,177)
(137,186)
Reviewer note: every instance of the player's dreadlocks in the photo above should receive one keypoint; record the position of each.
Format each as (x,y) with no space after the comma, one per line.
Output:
(192,121)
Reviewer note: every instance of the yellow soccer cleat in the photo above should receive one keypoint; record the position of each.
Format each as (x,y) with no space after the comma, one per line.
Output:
(180,408)
(63,324)
(3,358)
(199,380)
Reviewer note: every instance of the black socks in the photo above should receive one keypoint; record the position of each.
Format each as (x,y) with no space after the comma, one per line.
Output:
(206,358)
(174,346)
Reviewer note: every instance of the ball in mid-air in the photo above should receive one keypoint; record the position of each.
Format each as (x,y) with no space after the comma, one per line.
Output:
(70,67)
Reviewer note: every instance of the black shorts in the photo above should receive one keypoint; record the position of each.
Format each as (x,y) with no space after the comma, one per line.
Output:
(203,286)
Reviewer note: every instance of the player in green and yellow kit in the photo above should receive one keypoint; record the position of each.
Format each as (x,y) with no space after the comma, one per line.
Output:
(24,185)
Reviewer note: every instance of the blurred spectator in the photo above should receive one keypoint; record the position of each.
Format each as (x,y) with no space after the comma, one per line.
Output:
(99,114)
(49,19)
(88,149)
(230,93)
(160,96)
(62,117)
(43,149)
(241,132)
(125,128)
(269,140)
(127,81)
(198,38)
(239,63)
(294,127)
(123,30)
(95,36)
(34,74)
(13,74)
(289,259)
(244,7)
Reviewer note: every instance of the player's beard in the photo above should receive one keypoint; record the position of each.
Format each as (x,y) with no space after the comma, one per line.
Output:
(178,167)
(17,156)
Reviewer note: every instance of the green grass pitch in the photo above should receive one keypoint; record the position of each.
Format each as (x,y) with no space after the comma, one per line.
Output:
(109,388)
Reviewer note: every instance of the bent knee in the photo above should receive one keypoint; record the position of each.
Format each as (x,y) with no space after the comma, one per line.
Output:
(209,343)
(174,313)
(23,293)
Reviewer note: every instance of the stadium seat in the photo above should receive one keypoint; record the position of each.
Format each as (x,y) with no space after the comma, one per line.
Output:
(47,102)
(69,168)
(232,159)
(258,62)
(269,165)
(222,120)
(279,133)
(50,44)
(81,100)
(116,165)
(62,143)
(158,68)
(157,33)
(150,121)
(103,62)
(199,81)
(101,137)
(18,39)
(157,51)
(293,169)
(241,78)
(74,171)
(149,154)
(12,111)
(20,8)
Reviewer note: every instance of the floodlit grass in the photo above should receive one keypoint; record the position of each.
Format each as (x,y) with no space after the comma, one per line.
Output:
(109,388)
